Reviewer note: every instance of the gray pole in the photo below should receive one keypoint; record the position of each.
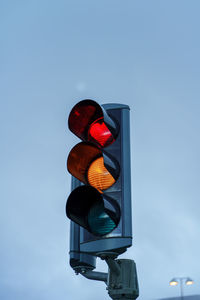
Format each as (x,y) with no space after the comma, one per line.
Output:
(121,280)
(181,288)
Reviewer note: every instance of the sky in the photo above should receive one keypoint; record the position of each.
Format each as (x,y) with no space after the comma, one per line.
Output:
(141,53)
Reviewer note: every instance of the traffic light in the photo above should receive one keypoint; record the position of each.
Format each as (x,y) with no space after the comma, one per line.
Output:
(100,163)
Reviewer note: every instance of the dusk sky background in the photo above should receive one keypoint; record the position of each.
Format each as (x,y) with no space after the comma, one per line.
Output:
(56,53)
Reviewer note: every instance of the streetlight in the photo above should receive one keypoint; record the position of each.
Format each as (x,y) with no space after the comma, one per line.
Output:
(187,280)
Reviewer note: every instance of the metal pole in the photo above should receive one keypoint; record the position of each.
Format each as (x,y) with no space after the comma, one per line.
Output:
(181,287)
(93,275)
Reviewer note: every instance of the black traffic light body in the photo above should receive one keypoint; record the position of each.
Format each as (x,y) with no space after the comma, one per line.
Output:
(100,204)
(78,259)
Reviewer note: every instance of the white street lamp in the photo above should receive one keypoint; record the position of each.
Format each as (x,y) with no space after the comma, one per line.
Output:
(175,281)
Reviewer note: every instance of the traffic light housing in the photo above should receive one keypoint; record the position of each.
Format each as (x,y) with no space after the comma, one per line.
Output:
(100,163)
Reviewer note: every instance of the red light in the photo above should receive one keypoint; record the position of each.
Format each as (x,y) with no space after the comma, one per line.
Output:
(99,133)
(90,122)
(79,119)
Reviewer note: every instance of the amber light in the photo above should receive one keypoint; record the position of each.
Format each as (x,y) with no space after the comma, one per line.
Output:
(98,175)
(99,132)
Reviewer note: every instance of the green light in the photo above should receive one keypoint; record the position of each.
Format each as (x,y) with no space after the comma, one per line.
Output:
(99,221)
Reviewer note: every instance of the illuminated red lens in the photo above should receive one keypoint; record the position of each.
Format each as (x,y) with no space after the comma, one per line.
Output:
(99,133)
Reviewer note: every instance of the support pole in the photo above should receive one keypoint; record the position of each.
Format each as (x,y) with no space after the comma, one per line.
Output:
(93,275)
(121,280)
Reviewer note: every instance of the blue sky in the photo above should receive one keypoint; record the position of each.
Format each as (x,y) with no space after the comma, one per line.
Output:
(141,53)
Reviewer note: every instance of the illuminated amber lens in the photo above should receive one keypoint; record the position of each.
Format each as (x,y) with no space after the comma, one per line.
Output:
(98,175)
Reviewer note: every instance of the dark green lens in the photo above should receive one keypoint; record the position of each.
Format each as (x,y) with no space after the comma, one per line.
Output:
(99,221)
